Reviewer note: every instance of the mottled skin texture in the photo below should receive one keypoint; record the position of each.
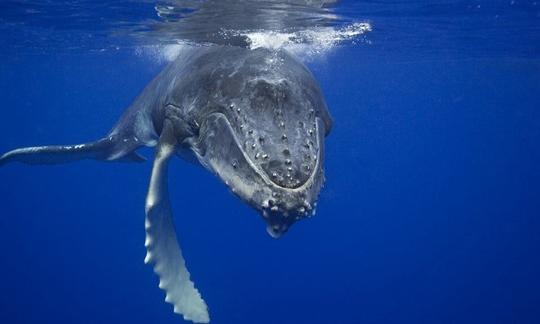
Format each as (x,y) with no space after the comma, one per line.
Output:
(273,105)
(255,118)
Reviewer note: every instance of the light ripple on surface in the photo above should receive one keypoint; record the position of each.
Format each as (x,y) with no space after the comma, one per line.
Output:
(414,29)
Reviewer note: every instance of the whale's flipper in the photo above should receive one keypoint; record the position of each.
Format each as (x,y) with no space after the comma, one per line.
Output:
(161,243)
(110,148)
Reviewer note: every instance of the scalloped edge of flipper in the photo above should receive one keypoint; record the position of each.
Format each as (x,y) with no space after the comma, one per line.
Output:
(164,254)
(163,250)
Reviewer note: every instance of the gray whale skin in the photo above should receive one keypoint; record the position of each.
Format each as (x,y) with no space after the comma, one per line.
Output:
(255,118)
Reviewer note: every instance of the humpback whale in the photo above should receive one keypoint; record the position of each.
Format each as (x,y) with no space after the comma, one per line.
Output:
(255,118)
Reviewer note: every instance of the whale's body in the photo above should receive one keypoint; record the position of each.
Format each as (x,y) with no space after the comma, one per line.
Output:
(255,118)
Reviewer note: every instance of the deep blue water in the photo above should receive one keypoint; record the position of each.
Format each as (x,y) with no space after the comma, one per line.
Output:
(430,213)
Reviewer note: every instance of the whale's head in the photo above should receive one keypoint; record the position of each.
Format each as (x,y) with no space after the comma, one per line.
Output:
(267,145)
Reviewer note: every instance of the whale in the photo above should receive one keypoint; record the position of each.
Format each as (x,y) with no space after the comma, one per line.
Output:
(256,118)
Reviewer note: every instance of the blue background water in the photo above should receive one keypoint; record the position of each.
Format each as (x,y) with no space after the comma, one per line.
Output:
(430,213)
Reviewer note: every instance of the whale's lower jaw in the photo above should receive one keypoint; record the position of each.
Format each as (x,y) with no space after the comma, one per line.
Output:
(219,150)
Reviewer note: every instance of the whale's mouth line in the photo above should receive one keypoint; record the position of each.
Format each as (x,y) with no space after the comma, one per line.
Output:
(221,150)
(263,175)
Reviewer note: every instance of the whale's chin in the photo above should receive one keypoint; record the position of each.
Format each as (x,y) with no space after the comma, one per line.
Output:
(219,150)
(273,234)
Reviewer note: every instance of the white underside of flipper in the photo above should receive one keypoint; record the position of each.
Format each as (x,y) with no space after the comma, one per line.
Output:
(163,251)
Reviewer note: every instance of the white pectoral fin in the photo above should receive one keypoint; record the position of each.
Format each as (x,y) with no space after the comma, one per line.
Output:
(163,251)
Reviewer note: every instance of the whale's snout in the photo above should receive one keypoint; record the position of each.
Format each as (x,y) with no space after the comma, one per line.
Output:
(287,207)
(280,204)
(275,231)
(266,140)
